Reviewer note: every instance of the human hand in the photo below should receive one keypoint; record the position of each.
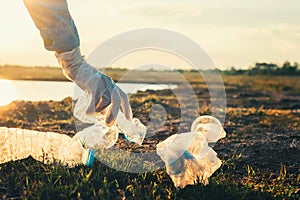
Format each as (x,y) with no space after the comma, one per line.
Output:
(107,96)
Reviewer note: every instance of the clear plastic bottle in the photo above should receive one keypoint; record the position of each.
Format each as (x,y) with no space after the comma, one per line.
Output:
(98,134)
(210,127)
(188,157)
(46,147)
(133,130)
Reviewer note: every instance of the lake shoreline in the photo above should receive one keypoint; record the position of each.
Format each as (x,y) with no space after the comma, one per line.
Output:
(53,90)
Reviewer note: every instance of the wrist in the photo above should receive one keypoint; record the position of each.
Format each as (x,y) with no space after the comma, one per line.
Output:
(70,61)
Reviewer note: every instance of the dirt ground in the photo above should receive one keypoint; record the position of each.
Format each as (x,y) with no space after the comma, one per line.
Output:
(263,128)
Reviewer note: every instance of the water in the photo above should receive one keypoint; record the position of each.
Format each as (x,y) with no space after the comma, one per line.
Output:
(54,90)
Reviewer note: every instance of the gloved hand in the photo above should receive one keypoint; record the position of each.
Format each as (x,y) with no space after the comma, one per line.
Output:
(55,24)
(106,94)
(59,33)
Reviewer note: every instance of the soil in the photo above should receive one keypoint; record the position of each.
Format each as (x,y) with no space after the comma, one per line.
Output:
(262,127)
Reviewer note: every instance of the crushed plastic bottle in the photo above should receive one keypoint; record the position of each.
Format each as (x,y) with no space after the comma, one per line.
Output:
(99,135)
(46,147)
(188,157)
(210,127)
(133,130)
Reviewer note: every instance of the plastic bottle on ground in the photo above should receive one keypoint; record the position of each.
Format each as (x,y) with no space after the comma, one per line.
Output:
(210,127)
(188,157)
(46,147)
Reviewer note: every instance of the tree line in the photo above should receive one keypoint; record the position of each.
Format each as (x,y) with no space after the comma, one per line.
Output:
(259,68)
(267,69)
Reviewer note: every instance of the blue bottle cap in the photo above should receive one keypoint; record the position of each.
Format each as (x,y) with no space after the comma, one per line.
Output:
(188,155)
(90,157)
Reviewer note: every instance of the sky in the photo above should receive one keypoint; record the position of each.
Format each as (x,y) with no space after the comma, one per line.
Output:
(232,32)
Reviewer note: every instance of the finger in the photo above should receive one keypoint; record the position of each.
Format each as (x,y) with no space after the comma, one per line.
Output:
(111,114)
(125,105)
(105,99)
(99,103)
(103,103)
(92,107)
(103,112)
(113,109)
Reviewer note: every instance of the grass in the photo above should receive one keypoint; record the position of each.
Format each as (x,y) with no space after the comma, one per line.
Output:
(31,73)
(29,179)
(257,123)
(266,83)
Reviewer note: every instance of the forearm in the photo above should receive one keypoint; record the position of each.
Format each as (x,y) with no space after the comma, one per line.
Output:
(77,69)
(59,33)
(55,24)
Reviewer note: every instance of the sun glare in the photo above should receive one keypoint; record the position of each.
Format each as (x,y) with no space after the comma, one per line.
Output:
(7,92)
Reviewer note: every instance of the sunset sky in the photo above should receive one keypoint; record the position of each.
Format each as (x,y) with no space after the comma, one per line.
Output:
(233,32)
